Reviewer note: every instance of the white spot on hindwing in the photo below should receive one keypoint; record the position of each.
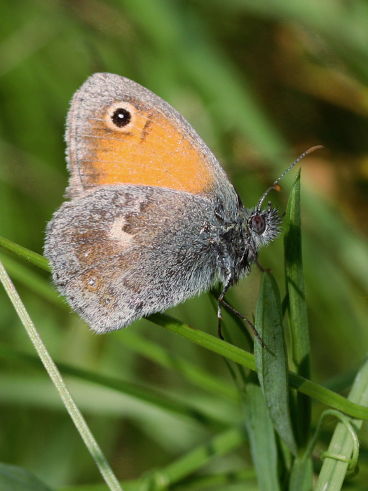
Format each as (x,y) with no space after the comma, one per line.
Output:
(117,233)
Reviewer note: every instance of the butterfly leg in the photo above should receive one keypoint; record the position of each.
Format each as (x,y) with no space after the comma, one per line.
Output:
(220,302)
(250,326)
(219,322)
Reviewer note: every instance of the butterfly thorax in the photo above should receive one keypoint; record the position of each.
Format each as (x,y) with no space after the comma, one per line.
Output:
(240,238)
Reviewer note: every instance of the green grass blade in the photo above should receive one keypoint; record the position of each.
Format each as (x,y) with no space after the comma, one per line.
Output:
(219,480)
(333,471)
(32,280)
(301,476)
(193,373)
(24,253)
(262,438)
(297,308)
(243,477)
(243,358)
(167,476)
(272,359)
(327,397)
(16,478)
(184,466)
(223,348)
(134,390)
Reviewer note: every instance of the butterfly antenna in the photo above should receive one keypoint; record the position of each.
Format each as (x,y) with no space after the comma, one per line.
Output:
(293,164)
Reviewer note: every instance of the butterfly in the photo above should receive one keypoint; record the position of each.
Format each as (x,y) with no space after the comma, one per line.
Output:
(151,217)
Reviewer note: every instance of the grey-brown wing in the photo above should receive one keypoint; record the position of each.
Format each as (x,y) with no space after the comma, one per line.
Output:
(124,252)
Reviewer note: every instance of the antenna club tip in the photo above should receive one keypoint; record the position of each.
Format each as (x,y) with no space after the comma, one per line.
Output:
(313,149)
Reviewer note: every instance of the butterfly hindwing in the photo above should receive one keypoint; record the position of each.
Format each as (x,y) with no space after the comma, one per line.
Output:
(123,252)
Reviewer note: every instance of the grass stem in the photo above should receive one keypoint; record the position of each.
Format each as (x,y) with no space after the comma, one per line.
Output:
(59,384)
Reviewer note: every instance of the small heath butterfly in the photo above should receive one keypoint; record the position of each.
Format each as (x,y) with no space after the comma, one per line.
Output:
(152,218)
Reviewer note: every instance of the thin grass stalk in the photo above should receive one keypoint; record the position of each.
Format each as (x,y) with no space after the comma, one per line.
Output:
(54,374)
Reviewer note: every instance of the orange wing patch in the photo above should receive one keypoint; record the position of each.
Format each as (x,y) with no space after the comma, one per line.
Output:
(133,145)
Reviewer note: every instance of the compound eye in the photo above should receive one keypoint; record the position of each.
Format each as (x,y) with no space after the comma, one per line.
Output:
(258,224)
(119,116)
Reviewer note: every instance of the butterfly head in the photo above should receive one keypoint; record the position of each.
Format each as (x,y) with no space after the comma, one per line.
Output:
(263,225)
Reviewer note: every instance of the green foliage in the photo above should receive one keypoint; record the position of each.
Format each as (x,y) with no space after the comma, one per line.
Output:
(18,479)
(272,360)
(260,82)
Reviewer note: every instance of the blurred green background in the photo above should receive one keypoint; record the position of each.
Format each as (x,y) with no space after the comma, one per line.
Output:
(260,81)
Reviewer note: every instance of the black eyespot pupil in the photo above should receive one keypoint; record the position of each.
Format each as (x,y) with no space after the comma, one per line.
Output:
(258,224)
(121,117)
